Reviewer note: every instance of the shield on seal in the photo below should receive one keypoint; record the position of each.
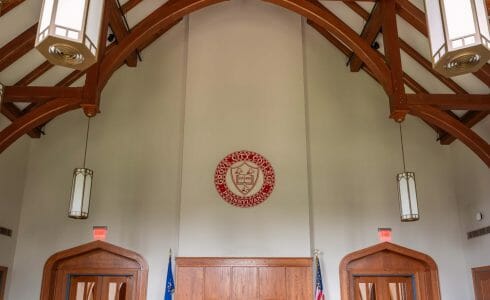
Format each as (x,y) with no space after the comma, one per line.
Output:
(244,177)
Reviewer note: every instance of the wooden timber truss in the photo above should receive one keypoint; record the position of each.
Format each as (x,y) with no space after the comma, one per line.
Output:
(46,103)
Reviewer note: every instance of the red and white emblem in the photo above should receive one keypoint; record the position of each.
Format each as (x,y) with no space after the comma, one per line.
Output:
(244,178)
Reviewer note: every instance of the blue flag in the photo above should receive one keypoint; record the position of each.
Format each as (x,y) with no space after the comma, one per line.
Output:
(170,286)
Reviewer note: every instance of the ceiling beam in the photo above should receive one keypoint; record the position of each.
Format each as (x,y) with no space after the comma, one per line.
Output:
(33,119)
(17,47)
(455,127)
(452,101)
(470,119)
(369,33)
(40,93)
(8,6)
(116,21)
(12,113)
(398,99)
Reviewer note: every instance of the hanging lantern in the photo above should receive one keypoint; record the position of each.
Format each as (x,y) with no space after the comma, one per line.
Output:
(81,187)
(80,194)
(407,193)
(459,35)
(69,30)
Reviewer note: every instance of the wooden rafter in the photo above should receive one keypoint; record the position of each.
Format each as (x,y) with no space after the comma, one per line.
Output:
(39,93)
(455,127)
(118,26)
(470,119)
(398,101)
(369,33)
(17,47)
(8,6)
(448,102)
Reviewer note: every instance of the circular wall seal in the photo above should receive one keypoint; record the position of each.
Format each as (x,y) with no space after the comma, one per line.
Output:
(244,178)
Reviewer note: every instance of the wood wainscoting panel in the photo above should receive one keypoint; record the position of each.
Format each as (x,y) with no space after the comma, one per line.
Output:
(272,283)
(191,283)
(295,285)
(245,283)
(217,283)
(243,278)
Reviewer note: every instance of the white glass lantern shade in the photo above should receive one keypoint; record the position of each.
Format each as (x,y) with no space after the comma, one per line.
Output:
(69,31)
(459,35)
(80,193)
(407,195)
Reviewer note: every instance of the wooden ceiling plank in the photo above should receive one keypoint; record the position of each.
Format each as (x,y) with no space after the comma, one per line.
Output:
(8,6)
(17,47)
(35,74)
(455,127)
(452,101)
(470,119)
(118,26)
(369,33)
(40,93)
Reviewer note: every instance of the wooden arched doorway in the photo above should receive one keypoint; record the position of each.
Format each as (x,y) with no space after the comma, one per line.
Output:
(388,272)
(95,271)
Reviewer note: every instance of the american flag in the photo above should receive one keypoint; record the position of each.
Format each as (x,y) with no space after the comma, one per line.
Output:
(319,295)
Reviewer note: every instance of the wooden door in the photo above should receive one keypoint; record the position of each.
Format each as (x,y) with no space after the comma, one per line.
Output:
(101,288)
(481,281)
(244,278)
(383,288)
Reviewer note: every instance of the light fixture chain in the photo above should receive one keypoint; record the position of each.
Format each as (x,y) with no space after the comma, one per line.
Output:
(86,143)
(403,149)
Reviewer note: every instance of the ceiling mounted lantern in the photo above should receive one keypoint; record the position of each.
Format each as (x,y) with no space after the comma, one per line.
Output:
(69,30)
(459,35)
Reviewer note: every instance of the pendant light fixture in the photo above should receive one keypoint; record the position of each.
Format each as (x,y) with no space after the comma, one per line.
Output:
(69,31)
(407,193)
(81,187)
(459,35)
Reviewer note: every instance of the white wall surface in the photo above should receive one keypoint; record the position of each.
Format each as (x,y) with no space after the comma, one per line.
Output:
(245,92)
(134,150)
(249,81)
(13,168)
(472,178)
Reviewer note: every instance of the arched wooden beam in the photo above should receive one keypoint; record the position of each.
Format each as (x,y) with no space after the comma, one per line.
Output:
(35,118)
(443,120)
(172,11)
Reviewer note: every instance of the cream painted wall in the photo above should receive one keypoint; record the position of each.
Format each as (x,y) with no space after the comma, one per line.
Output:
(245,92)
(325,130)
(13,167)
(355,154)
(472,188)
(134,150)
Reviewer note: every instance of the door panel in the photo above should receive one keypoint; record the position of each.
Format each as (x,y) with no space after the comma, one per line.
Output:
(101,288)
(383,288)
(481,279)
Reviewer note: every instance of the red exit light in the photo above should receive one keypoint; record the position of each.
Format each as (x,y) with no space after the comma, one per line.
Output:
(384,234)
(99,233)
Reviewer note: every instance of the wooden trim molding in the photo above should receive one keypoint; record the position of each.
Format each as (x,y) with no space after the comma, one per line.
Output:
(390,259)
(95,258)
(243,262)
